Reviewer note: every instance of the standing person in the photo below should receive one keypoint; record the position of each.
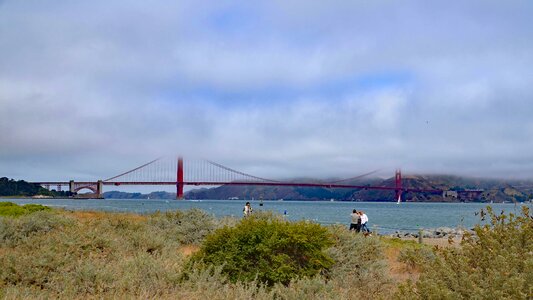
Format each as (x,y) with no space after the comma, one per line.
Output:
(364,222)
(247,210)
(354,225)
(359,222)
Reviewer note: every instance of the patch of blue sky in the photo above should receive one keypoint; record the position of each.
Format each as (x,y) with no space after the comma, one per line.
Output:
(272,93)
(232,19)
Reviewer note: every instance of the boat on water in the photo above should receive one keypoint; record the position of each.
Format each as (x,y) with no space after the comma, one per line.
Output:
(399,199)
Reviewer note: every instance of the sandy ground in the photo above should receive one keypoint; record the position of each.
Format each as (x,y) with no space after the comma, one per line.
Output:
(400,271)
(188,249)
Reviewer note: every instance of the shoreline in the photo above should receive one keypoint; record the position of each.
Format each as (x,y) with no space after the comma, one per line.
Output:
(266,200)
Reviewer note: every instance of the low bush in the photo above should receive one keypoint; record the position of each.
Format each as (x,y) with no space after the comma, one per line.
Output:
(72,255)
(268,250)
(495,263)
(416,258)
(186,227)
(31,208)
(14,230)
(360,264)
(10,209)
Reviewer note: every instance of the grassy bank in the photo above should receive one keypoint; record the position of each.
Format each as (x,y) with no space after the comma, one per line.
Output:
(61,254)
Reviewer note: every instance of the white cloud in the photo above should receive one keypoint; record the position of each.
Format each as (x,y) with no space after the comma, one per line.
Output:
(286,89)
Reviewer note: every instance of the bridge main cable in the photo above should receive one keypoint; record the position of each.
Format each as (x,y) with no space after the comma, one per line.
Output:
(133,170)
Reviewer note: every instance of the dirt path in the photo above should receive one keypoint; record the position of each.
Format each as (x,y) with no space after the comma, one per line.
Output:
(400,271)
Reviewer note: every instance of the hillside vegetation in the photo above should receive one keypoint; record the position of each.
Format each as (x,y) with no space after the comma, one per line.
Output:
(495,263)
(493,190)
(21,188)
(61,254)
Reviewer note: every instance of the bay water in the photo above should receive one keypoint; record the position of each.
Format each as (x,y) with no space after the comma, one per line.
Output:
(384,217)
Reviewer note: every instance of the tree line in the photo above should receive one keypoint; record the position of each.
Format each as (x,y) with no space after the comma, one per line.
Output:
(21,188)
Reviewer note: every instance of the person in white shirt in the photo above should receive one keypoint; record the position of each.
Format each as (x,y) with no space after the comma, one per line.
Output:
(364,222)
(247,210)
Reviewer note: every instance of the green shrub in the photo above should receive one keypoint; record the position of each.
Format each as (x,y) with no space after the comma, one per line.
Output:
(268,250)
(13,231)
(30,208)
(495,263)
(11,209)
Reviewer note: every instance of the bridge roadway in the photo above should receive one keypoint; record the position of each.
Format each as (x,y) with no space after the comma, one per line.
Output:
(88,184)
(210,173)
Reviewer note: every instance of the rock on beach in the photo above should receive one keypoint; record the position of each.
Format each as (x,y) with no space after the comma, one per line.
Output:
(441,232)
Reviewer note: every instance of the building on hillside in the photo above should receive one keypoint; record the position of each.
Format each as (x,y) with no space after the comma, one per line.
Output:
(451,194)
(469,194)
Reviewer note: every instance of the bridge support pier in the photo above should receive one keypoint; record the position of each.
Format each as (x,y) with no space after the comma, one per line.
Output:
(99,189)
(71,187)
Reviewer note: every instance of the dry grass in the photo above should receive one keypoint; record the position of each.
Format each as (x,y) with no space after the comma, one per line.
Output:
(114,255)
(84,216)
(399,271)
(188,250)
(440,242)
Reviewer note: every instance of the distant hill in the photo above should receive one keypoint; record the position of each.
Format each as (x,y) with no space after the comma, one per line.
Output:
(463,189)
(152,195)
(276,192)
(460,189)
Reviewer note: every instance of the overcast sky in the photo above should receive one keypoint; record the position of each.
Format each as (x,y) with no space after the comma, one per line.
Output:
(279,89)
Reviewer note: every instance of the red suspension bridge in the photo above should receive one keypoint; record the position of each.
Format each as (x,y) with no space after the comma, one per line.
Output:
(179,173)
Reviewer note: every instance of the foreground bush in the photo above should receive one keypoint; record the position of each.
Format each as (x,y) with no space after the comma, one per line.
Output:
(360,267)
(16,230)
(495,263)
(10,209)
(268,249)
(74,255)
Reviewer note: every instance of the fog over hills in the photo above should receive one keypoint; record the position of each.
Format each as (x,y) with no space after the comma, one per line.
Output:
(458,189)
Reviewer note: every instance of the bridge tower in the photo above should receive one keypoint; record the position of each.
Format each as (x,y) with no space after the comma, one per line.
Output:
(398,181)
(179,179)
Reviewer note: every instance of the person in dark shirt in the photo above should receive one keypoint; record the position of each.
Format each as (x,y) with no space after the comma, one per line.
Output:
(356,221)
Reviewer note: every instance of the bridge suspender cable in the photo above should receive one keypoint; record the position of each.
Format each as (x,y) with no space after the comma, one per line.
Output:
(133,170)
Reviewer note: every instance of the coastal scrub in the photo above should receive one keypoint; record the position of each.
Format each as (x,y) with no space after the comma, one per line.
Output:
(494,263)
(268,249)
(10,209)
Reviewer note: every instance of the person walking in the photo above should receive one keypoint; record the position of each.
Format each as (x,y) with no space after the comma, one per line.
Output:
(247,210)
(364,222)
(356,220)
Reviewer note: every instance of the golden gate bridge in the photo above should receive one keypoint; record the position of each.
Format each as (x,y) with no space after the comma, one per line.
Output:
(178,172)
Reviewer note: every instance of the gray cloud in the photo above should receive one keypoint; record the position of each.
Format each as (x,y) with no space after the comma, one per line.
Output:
(278,89)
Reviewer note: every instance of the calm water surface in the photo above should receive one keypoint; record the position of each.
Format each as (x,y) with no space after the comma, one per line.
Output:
(385,217)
